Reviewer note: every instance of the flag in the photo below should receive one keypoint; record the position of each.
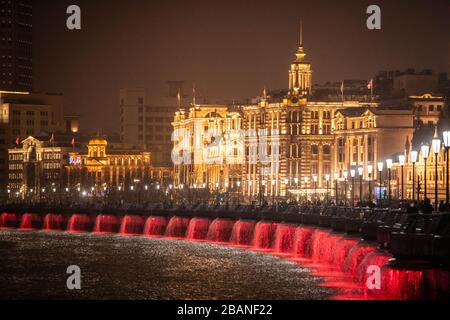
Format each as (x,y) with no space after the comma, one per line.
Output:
(342,88)
(17,140)
(179,98)
(193,94)
(370,84)
(73,142)
(52,138)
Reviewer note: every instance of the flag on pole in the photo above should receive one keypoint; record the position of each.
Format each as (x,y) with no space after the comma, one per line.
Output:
(193,94)
(17,140)
(73,142)
(342,90)
(179,98)
(370,87)
(52,138)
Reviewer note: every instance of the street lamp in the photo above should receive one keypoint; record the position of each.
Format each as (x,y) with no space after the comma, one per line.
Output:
(380,171)
(315,188)
(414,156)
(327,179)
(436,143)
(389,166)
(425,153)
(336,177)
(360,173)
(306,179)
(401,161)
(345,186)
(370,173)
(446,136)
(352,174)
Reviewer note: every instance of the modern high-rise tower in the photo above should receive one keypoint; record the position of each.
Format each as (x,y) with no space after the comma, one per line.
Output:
(16,45)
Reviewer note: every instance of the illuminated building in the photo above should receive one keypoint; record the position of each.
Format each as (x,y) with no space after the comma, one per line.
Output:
(24,114)
(36,168)
(427,108)
(217,167)
(294,146)
(422,137)
(102,167)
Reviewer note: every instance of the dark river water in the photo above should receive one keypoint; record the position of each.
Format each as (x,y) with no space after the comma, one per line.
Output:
(33,265)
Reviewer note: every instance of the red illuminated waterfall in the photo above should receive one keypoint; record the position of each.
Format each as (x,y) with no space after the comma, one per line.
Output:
(177,227)
(198,229)
(342,262)
(284,238)
(79,223)
(132,225)
(106,224)
(8,221)
(220,230)
(263,235)
(242,233)
(155,226)
(31,221)
(54,222)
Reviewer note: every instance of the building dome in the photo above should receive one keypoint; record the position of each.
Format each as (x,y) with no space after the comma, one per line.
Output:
(98,142)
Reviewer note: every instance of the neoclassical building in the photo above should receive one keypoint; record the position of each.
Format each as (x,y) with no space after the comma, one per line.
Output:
(207,150)
(36,168)
(297,144)
(106,167)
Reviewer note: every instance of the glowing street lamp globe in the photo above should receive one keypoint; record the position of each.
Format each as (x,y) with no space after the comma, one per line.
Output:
(446,139)
(401,159)
(352,173)
(389,163)
(370,169)
(380,166)
(360,171)
(414,156)
(425,151)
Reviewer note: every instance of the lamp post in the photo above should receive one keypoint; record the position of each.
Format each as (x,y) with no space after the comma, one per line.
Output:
(345,186)
(352,174)
(336,177)
(401,161)
(446,136)
(370,172)
(389,167)
(425,152)
(436,143)
(380,171)
(273,191)
(414,155)
(286,183)
(360,173)
(327,179)
(315,188)
(306,187)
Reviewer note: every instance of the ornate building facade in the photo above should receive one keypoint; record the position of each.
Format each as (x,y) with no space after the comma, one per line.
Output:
(36,168)
(102,168)
(301,145)
(208,153)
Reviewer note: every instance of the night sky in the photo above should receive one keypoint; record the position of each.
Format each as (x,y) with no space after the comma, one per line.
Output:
(231,49)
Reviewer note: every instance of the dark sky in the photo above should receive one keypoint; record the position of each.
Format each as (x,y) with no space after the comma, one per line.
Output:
(231,49)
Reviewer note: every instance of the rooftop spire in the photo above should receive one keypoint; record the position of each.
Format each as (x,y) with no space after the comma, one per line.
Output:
(301,33)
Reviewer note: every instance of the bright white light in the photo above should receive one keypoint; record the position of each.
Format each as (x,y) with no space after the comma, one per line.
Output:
(352,173)
(425,151)
(389,163)
(414,155)
(315,178)
(336,175)
(360,171)
(401,159)
(436,143)
(370,169)
(296,180)
(380,166)
(446,138)
(345,174)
